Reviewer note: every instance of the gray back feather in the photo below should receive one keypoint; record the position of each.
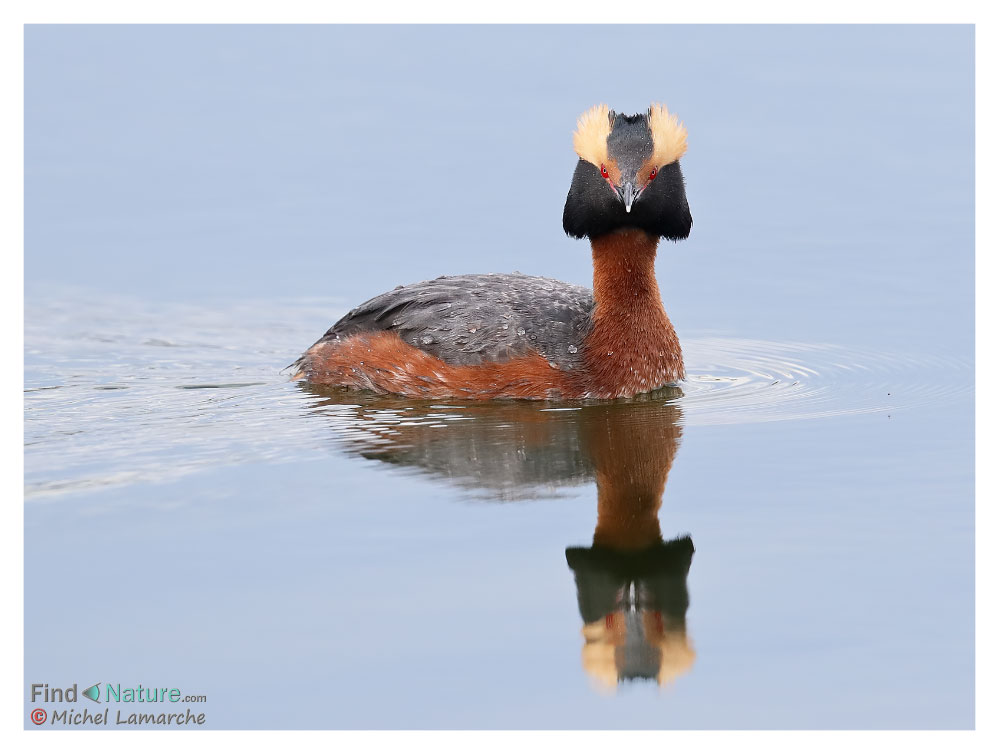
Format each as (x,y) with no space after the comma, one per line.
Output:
(471,319)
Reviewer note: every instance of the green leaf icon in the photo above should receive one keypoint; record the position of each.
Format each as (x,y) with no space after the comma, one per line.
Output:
(93,692)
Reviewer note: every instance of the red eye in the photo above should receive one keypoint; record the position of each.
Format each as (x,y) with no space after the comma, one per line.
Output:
(603,171)
(653,173)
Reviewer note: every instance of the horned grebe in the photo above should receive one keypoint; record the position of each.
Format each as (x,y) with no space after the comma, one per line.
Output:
(518,336)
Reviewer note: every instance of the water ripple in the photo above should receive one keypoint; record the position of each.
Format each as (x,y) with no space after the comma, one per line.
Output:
(105,408)
(738,380)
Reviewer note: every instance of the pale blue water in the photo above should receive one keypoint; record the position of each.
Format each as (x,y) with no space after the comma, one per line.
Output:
(202,203)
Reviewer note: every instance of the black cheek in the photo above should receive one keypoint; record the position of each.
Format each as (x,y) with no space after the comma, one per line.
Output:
(662,209)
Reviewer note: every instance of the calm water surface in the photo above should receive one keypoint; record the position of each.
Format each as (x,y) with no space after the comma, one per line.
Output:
(783,540)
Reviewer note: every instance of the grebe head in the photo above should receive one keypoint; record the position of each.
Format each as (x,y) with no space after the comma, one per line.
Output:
(628,175)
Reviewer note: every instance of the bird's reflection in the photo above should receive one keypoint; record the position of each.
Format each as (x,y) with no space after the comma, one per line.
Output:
(631,584)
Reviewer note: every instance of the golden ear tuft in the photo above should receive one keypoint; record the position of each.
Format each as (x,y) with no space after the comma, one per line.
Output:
(590,138)
(669,137)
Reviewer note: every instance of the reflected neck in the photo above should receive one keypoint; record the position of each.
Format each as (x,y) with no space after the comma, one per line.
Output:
(632,454)
(628,510)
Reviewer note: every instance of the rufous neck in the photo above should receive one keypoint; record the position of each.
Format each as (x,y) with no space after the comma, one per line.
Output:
(624,271)
(632,347)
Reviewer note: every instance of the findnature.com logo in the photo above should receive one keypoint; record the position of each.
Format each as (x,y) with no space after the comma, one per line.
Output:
(113,693)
